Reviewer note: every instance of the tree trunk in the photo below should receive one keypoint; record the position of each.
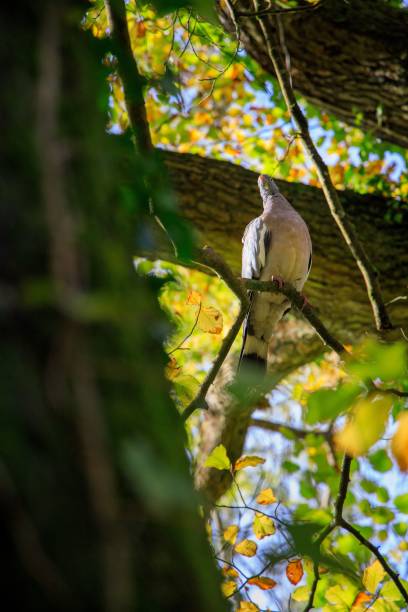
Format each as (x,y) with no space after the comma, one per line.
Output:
(97,506)
(349,58)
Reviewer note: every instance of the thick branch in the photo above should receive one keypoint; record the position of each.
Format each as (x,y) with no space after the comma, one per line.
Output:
(348,58)
(347,229)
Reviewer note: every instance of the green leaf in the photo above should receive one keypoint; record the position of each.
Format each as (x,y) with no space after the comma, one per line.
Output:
(290,467)
(218,459)
(380,461)
(401,503)
(301,593)
(383,495)
(400,529)
(327,404)
(385,361)
(368,485)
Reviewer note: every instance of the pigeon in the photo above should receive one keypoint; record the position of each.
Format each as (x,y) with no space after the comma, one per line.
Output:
(276,246)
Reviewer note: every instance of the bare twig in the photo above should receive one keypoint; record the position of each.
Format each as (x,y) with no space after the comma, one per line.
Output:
(346,227)
(282,427)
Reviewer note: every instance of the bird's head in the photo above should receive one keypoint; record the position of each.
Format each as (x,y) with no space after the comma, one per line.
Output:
(267,186)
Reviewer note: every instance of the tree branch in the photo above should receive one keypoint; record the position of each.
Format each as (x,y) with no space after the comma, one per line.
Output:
(299,302)
(347,229)
(376,551)
(130,76)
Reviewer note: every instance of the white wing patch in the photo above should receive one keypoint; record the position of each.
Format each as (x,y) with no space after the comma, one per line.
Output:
(255,240)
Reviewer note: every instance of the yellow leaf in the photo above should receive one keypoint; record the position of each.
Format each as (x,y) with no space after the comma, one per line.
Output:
(265,497)
(194,298)
(373,574)
(359,604)
(247,461)
(210,320)
(228,587)
(227,570)
(301,594)
(230,534)
(294,571)
(263,582)
(247,606)
(399,444)
(263,526)
(172,369)
(365,426)
(247,548)
(218,458)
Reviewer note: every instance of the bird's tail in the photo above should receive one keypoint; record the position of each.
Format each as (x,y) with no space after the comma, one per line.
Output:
(254,352)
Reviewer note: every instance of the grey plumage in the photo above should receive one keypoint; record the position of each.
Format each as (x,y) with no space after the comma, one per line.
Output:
(276,244)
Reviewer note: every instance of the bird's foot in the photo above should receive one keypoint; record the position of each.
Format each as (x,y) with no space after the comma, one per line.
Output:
(279,281)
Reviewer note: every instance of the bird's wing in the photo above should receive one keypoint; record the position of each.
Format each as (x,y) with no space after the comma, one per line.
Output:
(256,241)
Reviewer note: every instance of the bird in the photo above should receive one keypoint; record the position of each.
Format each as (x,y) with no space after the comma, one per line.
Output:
(276,246)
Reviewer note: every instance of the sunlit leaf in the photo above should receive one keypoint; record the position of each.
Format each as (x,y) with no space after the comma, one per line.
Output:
(375,360)
(247,606)
(301,594)
(401,502)
(247,461)
(210,320)
(390,591)
(194,298)
(228,587)
(263,582)
(265,497)
(227,570)
(172,369)
(360,602)
(247,548)
(399,444)
(218,459)
(230,534)
(186,388)
(372,576)
(341,594)
(364,426)
(294,571)
(263,526)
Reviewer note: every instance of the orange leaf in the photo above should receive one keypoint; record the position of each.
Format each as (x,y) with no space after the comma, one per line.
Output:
(399,444)
(227,570)
(194,298)
(263,582)
(294,571)
(247,461)
(266,497)
(361,599)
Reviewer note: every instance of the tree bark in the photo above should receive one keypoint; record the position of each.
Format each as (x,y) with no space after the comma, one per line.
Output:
(349,58)
(220,198)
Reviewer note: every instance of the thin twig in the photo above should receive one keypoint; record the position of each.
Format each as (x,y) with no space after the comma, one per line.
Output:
(346,227)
